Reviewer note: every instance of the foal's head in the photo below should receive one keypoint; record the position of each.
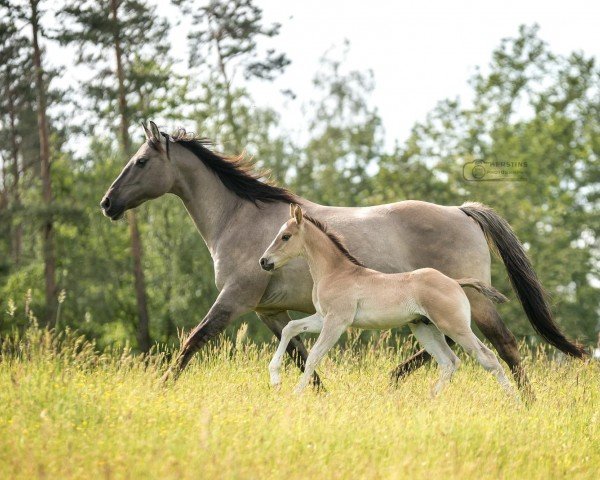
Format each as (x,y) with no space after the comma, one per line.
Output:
(148,174)
(287,244)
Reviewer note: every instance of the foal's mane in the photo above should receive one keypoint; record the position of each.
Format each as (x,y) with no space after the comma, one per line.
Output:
(237,173)
(335,238)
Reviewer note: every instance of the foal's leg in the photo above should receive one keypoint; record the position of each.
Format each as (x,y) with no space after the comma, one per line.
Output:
(483,355)
(330,333)
(310,324)
(487,318)
(435,344)
(452,316)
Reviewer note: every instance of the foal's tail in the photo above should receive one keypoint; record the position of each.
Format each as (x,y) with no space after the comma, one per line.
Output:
(522,276)
(487,290)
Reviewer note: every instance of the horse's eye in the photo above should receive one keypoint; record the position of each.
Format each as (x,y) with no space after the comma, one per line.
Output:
(141,162)
(286,237)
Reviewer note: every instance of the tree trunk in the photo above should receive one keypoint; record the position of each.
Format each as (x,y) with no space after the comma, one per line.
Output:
(47,228)
(17,233)
(143,325)
(4,191)
(229,100)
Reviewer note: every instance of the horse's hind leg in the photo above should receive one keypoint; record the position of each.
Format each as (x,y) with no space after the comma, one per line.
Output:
(435,344)
(415,361)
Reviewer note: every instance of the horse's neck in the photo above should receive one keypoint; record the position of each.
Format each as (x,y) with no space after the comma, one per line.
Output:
(210,204)
(322,256)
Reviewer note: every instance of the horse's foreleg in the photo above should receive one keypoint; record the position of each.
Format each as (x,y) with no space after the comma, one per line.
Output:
(286,330)
(222,313)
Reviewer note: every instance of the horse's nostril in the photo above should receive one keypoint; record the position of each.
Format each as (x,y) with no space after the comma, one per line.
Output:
(105,203)
(263,262)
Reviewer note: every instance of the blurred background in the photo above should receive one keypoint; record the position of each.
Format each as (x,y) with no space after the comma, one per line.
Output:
(346,104)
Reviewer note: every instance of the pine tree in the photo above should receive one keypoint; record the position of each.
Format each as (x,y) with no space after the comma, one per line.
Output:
(26,16)
(48,227)
(16,82)
(119,39)
(224,38)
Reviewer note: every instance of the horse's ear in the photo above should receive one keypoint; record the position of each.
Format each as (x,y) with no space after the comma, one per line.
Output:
(292,208)
(157,139)
(298,214)
(146,131)
(155,132)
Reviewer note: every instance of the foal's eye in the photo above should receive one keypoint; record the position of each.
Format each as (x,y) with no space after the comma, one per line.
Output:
(286,237)
(141,162)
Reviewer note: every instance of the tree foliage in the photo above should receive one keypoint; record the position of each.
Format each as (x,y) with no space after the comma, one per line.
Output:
(529,106)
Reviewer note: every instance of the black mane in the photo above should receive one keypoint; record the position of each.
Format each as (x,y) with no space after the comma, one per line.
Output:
(335,238)
(236,173)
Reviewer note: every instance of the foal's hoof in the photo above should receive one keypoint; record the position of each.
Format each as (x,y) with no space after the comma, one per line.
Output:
(276,386)
(435,391)
(298,391)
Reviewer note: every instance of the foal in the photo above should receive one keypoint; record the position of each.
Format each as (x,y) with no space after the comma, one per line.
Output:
(346,294)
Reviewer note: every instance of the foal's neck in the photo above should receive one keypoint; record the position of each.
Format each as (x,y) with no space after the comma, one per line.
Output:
(322,256)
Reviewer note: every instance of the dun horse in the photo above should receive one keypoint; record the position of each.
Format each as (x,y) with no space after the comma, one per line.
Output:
(237,214)
(347,294)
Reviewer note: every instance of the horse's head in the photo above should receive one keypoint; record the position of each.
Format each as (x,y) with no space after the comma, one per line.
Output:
(288,242)
(147,175)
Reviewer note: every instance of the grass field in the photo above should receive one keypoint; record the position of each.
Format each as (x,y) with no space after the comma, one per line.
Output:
(68,412)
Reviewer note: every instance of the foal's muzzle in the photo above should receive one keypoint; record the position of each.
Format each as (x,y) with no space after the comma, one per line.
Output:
(266,265)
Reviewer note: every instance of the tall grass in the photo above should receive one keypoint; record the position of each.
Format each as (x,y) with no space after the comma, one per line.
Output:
(69,411)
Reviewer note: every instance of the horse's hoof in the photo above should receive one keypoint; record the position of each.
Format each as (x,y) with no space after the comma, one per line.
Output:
(169,376)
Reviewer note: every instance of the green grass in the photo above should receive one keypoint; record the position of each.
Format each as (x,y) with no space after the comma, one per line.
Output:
(68,412)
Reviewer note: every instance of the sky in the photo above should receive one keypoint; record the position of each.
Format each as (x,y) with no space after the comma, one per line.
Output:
(420,52)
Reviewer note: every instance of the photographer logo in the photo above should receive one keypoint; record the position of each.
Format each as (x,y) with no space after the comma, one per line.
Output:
(494,171)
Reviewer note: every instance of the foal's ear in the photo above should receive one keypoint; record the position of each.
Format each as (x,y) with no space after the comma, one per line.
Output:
(155,132)
(298,214)
(292,208)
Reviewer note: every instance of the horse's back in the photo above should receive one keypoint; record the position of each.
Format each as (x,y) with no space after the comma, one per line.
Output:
(407,235)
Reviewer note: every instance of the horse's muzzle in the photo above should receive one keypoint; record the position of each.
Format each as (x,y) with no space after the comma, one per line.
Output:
(111,209)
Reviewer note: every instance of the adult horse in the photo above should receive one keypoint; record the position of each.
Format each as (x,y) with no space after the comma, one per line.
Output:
(238,214)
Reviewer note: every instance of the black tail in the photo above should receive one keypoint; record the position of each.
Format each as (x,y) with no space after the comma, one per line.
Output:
(522,276)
